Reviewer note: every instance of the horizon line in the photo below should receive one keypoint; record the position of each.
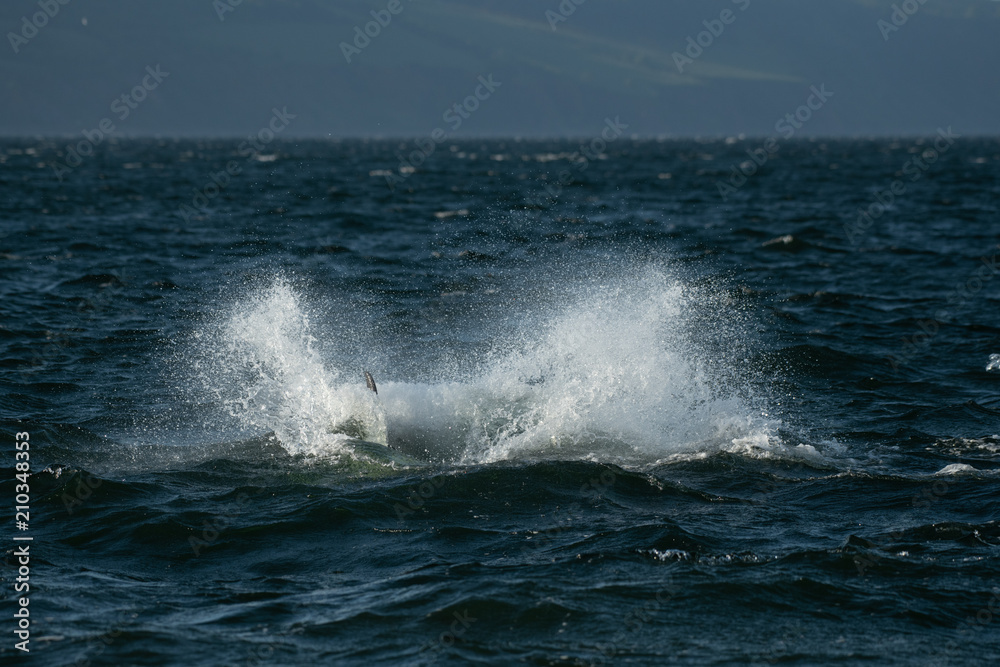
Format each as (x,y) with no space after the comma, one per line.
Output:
(491,137)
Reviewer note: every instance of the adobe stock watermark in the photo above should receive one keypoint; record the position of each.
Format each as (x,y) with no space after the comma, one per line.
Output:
(780,650)
(566,9)
(122,107)
(84,317)
(454,116)
(915,169)
(362,38)
(223,7)
(30,27)
(947,652)
(249,150)
(786,126)
(263,653)
(714,28)
(959,296)
(463,621)
(594,489)
(96,646)
(927,497)
(581,159)
(419,495)
(220,523)
(633,622)
(85,487)
(901,13)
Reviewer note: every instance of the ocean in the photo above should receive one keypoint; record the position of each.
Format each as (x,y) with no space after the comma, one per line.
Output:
(694,402)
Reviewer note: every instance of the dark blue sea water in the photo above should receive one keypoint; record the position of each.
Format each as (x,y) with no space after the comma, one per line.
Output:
(633,416)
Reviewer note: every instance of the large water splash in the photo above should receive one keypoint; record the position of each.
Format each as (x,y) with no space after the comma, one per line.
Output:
(635,370)
(615,373)
(262,365)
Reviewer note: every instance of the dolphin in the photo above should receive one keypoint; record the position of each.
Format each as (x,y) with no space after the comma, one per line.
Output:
(382,451)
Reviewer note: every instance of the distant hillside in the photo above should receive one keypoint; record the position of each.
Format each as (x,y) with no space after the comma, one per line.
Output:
(559,73)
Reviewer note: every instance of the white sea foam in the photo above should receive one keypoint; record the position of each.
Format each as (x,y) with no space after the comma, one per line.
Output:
(635,371)
(955,469)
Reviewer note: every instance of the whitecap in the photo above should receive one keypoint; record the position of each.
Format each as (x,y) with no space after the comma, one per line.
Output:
(994,363)
(955,469)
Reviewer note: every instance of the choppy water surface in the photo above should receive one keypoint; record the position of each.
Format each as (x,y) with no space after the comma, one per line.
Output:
(628,420)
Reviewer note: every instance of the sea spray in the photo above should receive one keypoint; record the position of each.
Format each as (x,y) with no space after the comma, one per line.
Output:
(262,366)
(617,374)
(632,370)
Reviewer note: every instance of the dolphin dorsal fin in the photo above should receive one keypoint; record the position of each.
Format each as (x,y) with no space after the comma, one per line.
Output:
(370,381)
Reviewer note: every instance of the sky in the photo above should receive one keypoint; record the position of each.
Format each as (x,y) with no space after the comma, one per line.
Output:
(514,68)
